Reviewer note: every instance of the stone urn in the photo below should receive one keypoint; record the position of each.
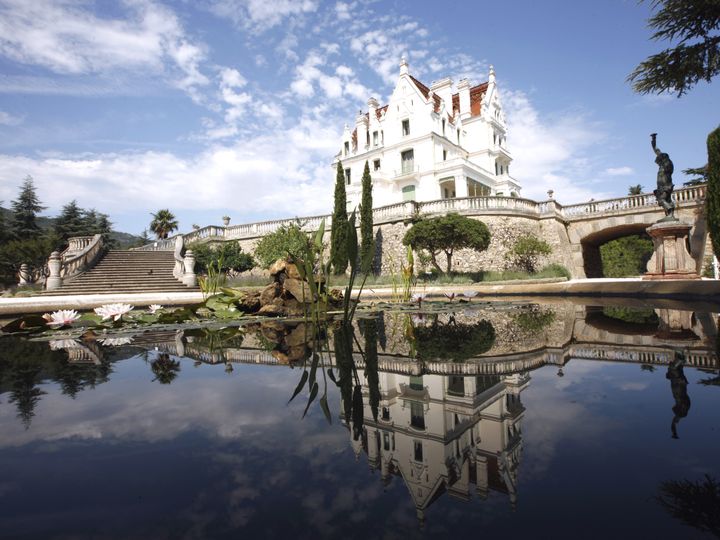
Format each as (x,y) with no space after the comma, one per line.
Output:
(226,220)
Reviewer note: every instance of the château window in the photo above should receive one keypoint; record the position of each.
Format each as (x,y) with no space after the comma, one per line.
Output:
(418,451)
(347,148)
(458,136)
(443,127)
(376,165)
(416,383)
(456,385)
(386,414)
(407,159)
(405,127)
(367,138)
(347,176)
(444,155)
(417,415)
(375,138)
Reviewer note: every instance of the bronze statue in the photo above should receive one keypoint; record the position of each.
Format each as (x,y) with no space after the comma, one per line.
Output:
(664,190)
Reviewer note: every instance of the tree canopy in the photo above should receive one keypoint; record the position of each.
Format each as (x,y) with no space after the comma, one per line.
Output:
(696,57)
(526,250)
(287,240)
(339,231)
(163,223)
(25,209)
(447,234)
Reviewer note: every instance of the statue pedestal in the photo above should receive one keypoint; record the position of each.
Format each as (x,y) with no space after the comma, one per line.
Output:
(671,259)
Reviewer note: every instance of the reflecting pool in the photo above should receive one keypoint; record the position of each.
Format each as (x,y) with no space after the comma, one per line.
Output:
(508,419)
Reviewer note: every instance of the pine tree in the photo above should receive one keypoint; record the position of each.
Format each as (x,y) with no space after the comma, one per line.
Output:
(339,232)
(70,222)
(25,209)
(713,189)
(3,231)
(367,245)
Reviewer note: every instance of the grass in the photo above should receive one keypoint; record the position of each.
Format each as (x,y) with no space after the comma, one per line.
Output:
(455,278)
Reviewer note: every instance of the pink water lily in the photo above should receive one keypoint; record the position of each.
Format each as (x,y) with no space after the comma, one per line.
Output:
(113,311)
(63,317)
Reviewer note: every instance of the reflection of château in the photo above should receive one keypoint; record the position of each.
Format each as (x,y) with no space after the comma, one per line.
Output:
(446,434)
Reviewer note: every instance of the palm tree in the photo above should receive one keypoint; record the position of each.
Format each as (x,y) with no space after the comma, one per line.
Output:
(635,190)
(163,223)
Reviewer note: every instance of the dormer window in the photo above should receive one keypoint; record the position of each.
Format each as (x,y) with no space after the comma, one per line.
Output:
(375,138)
(406,128)
(347,148)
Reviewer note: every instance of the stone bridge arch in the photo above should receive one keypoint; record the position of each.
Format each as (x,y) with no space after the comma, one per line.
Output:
(590,245)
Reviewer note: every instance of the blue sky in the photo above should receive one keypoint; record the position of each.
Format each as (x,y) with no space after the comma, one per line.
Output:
(236,107)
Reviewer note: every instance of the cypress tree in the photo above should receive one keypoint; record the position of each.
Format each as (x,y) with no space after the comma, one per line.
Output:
(24,210)
(339,232)
(713,189)
(367,245)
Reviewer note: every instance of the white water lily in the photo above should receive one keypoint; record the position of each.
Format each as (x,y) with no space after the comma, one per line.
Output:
(419,297)
(153,308)
(63,317)
(116,341)
(113,311)
(470,294)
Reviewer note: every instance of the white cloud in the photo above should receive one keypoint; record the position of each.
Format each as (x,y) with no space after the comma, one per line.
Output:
(7,119)
(619,171)
(261,15)
(284,173)
(551,151)
(67,38)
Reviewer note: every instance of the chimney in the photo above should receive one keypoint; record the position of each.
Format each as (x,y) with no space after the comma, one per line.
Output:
(372,110)
(361,124)
(464,95)
(443,88)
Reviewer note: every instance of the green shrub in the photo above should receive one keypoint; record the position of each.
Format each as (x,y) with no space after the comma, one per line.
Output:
(286,241)
(554,270)
(627,256)
(526,250)
(228,255)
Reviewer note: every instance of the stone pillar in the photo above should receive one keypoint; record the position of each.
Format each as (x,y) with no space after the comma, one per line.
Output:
(671,259)
(24,275)
(481,476)
(54,280)
(189,277)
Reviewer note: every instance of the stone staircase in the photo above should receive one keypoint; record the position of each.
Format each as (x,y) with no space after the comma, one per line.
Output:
(127,272)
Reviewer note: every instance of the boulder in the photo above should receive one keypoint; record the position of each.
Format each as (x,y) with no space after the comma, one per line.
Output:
(298,289)
(277,267)
(269,294)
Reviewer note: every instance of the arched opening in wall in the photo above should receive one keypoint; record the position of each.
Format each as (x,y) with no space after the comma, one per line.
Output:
(447,187)
(621,251)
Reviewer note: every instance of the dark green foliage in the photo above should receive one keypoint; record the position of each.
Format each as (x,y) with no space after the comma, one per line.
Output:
(165,368)
(453,341)
(25,209)
(713,189)
(632,315)
(694,503)
(287,240)
(526,250)
(4,232)
(693,24)
(75,221)
(228,255)
(370,330)
(637,189)
(339,231)
(626,256)
(534,320)
(556,270)
(367,243)
(163,223)
(446,234)
(33,251)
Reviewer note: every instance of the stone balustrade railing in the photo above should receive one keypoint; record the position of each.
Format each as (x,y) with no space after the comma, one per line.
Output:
(80,256)
(467,205)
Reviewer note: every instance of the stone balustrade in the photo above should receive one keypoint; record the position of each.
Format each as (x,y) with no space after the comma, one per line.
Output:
(466,205)
(81,254)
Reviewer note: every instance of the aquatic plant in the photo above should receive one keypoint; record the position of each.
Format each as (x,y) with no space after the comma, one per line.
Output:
(113,311)
(154,308)
(63,317)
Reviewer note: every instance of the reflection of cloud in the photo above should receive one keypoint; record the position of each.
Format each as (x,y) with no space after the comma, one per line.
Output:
(630,386)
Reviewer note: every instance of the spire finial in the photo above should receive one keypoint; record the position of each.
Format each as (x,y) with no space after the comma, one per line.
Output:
(404,65)
(491,77)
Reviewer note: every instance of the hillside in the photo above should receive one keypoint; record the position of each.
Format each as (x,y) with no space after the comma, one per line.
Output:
(123,239)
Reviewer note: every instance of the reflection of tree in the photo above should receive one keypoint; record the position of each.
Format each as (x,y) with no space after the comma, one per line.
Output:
(165,368)
(695,503)
(370,327)
(453,341)
(534,319)
(24,392)
(632,315)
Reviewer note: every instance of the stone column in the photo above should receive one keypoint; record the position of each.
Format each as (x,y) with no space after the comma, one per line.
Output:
(671,259)
(189,277)
(54,280)
(24,275)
